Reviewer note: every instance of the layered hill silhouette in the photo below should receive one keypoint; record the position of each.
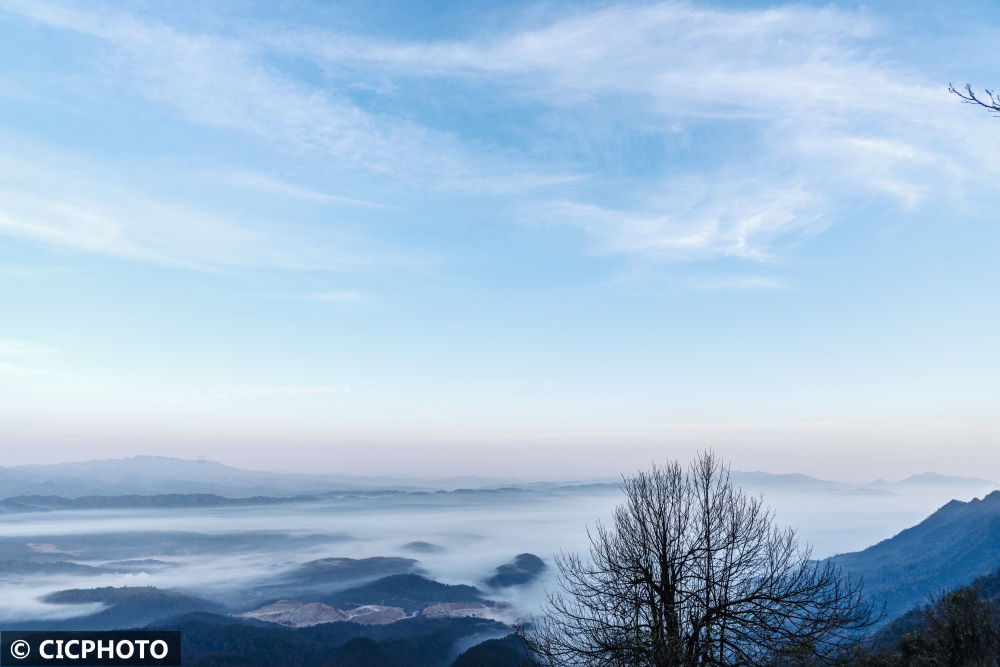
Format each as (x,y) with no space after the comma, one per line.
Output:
(159,475)
(168,475)
(125,607)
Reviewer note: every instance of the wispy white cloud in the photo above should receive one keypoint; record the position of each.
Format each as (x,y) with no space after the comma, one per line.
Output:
(20,347)
(272,391)
(261,182)
(728,219)
(71,203)
(336,296)
(24,371)
(739,283)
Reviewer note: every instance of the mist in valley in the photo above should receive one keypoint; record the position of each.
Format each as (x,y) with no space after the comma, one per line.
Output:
(244,556)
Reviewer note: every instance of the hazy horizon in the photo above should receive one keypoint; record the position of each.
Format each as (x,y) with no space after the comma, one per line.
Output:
(523,474)
(525,462)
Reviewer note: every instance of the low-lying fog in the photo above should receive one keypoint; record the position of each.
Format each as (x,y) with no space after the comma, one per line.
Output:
(220,553)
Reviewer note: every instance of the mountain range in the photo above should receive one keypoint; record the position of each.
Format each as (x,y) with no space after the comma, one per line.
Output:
(386,610)
(157,475)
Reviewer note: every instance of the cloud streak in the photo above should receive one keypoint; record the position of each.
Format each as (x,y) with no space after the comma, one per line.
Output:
(274,391)
(70,203)
(25,371)
(726,220)
(19,347)
(739,283)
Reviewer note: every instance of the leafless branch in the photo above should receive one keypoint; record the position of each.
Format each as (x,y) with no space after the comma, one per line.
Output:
(969,96)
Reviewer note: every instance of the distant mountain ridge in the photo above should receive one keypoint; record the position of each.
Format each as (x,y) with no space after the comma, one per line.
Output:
(933,480)
(157,475)
(18,504)
(151,475)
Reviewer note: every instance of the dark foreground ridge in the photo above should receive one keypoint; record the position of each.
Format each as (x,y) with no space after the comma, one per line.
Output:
(216,641)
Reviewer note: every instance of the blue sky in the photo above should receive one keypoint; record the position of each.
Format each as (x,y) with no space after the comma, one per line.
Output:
(456,237)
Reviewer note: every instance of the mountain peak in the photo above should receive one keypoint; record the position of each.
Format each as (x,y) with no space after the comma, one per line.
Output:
(937,479)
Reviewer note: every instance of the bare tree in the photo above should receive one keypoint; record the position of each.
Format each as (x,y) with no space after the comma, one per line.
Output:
(692,571)
(991,100)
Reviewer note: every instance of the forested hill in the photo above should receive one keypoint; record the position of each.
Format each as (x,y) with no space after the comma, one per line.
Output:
(950,548)
(986,587)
